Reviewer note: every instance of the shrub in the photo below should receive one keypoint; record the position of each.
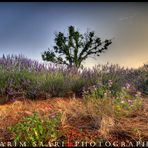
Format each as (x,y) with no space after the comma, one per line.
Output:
(75,84)
(25,76)
(94,92)
(36,130)
(54,84)
(125,104)
(33,91)
(3,99)
(142,79)
(113,81)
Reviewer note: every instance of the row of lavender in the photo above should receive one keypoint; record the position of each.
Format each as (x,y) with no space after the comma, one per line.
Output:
(20,76)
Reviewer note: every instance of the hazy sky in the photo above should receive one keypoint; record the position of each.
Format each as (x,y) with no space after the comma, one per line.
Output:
(28,28)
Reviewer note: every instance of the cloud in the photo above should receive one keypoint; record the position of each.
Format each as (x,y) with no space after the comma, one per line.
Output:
(123,18)
(128,17)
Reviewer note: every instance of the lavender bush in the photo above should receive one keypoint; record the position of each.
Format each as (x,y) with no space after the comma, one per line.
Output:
(29,78)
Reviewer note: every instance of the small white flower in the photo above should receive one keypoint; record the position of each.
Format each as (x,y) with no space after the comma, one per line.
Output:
(124,88)
(138,94)
(105,94)
(122,101)
(127,85)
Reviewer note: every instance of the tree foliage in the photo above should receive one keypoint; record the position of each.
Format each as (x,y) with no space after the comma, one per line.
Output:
(74,48)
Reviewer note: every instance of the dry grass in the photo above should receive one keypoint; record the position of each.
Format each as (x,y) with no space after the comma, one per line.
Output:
(11,113)
(95,119)
(133,128)
(88,115)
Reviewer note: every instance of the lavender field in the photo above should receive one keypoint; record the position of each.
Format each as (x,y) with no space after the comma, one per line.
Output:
(32,79)
(107,102)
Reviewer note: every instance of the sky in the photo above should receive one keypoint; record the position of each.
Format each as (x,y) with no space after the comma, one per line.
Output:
(29,28)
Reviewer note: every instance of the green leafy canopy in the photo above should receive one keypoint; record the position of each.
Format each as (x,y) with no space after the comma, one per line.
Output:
(74,48)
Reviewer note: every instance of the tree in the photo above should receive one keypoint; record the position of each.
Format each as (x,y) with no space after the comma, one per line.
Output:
(73,49)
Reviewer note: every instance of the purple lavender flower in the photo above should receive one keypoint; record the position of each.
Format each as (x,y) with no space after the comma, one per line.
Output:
(127,85)
(130,101)
(12,99)
(110,83)
(53,116)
